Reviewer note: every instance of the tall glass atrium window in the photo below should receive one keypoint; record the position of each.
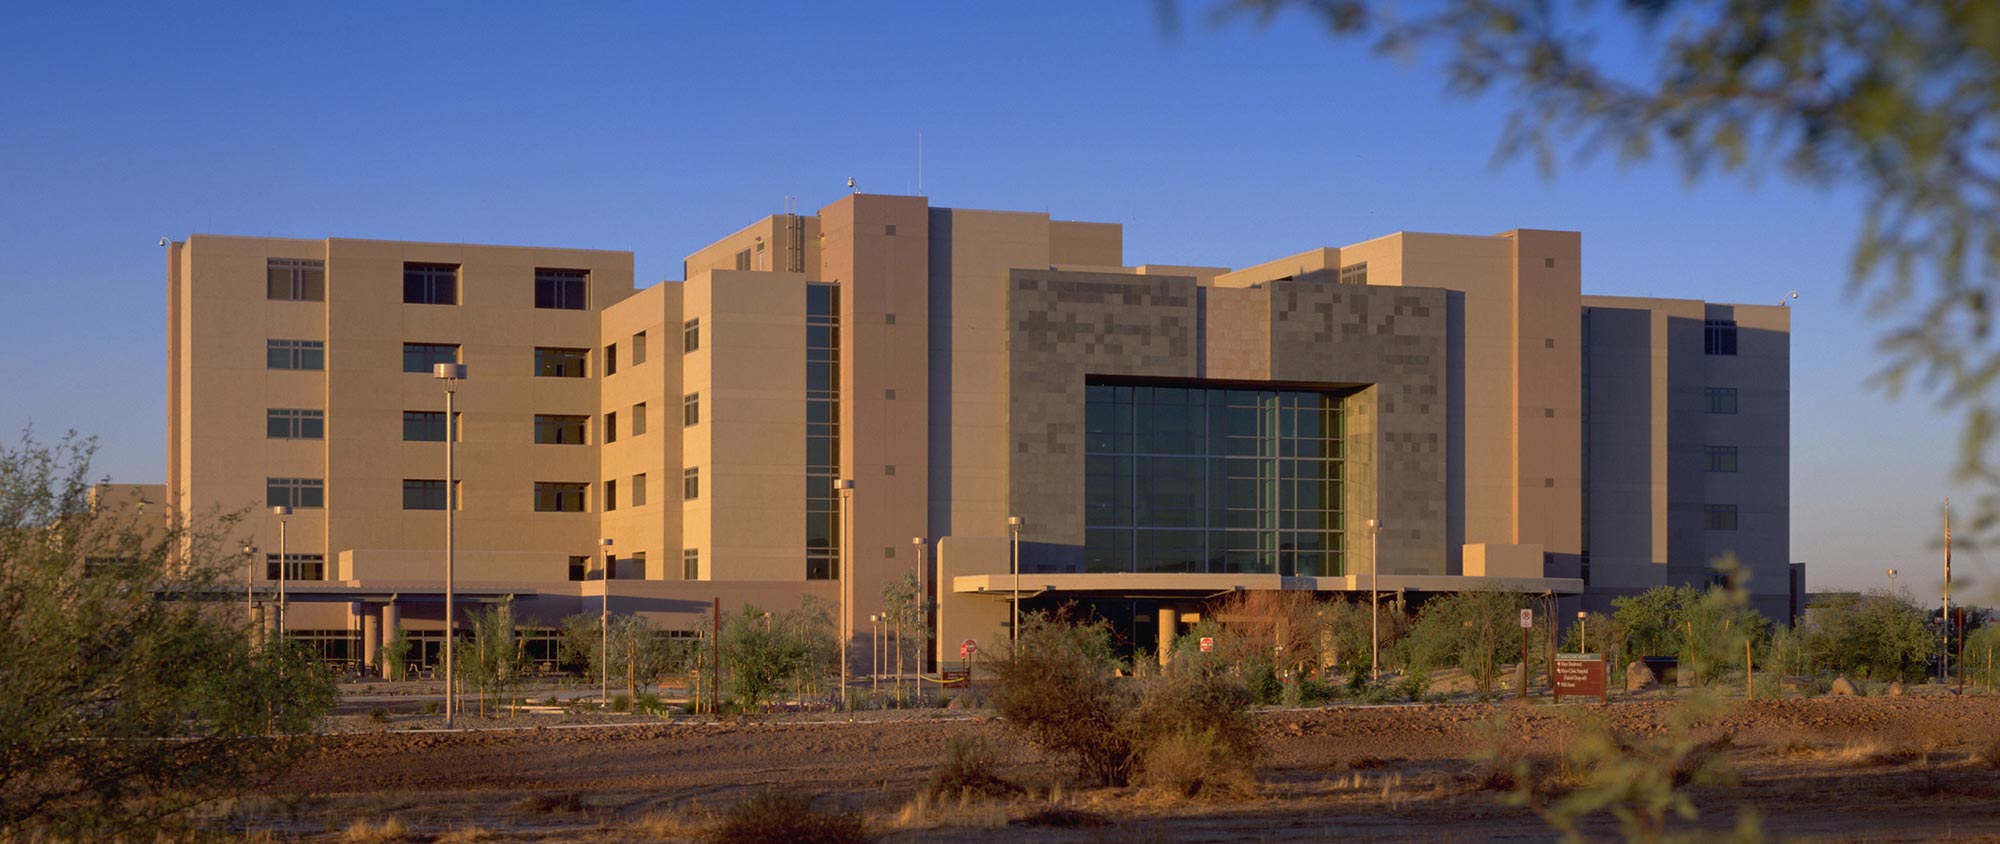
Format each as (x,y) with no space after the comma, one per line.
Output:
(1205,478)
(822,431)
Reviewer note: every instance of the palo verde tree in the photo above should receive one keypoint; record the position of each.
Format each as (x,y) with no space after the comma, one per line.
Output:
(132,687)
(1897,99)
(1479,632)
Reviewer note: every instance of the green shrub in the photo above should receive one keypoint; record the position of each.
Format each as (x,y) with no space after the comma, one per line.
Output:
(968,771)
(1262,681)
(1414,685)
(621,703)
(431,707)
(780,816)
(1317,693)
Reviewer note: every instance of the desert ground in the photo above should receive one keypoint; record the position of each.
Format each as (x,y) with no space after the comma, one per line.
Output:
(1822,769)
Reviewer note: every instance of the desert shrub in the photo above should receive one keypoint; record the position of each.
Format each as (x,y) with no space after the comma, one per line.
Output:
(1877,637)
(1479,632)
(621,703)
(968,771)
(1188,763)
(133,685)
(1059,687)
(1414,685)
(1204,711)
(1989,753)
(1317,692)
(1056,685)
(430,707)
(780,816)
(1262,681)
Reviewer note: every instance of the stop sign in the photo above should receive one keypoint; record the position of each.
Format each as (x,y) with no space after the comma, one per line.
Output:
(1207,644)
(967,648)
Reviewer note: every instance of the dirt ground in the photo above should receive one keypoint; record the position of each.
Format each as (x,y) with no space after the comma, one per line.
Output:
(1820,770)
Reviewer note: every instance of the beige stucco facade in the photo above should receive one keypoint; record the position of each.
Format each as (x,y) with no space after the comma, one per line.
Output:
(1502,439)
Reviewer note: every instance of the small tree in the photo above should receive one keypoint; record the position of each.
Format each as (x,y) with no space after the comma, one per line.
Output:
(131,686)
(1479,632)
(496,657)
(1058,685)
(395,654)
(764,656)
(1875,636)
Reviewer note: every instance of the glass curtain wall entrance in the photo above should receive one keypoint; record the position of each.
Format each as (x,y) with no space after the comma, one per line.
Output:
(1211,478)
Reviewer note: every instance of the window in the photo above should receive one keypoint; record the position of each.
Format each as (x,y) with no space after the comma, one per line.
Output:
(427,426)
(296,493)
(285,424)
(1719,337)
(297,566)
(611,427)
(561,363)
(430,284)
(610,496)
(295,280)
(295,354)
(691,483)
(560,430)
(561,290)
(424,494)
(559,497)
(639,490)
(691,564)
(423,357)
(1718,516)
(743,260)
(1718,400)
(690,410)
(579,567)
(822,467)
(1718,458)
(638,419)
(690,335)
(1354,273)
(611,359)
(1204,477)
(639,348)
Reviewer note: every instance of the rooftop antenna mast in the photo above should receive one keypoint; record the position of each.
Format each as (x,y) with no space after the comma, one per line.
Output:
(920,163)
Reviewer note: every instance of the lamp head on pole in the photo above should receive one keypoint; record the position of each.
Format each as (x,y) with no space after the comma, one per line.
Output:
(844,485)
(449,373)
(917,541)
(606,542)
(1015,522)
(1374,524)
(281,511)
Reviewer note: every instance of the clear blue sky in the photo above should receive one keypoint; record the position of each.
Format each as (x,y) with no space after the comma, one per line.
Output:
(658,127)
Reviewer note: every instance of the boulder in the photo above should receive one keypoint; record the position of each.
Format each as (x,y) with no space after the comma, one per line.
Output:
(1638,676)
(1841,686)
(1896,689)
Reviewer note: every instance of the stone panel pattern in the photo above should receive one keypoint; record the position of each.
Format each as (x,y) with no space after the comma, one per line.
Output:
(1065,326)
(1393,338)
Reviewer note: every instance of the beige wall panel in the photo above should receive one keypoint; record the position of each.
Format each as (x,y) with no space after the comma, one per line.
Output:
(971,254)
(1239,333)
(885,346)
(1548,389)
(1097,244)
(753,486)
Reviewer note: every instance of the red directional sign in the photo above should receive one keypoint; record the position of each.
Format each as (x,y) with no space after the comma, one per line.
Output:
(967,648)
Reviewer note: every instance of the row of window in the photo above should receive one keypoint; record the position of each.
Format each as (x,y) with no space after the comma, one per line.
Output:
(304,280)
(313,566)
(421,358)
(430,494)
(428,425)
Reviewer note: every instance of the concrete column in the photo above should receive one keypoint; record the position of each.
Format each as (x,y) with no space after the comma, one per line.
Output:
(392,621)
(371,634)
(1169,627)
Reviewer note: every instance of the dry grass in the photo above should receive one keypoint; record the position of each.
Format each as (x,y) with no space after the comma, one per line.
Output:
(968,772)
(964,812)
(1867,753)
(686,822)
(1190,764)
(386,831)
(467,835)
(1989,753)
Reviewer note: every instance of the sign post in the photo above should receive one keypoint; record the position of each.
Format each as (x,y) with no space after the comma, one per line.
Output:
(966,650)
(1579,675)
(1527,624)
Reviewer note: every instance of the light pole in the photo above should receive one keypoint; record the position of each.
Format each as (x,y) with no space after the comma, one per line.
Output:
(604,631)
(281,511)
(1014,630)
(1374,616)
(846,487)
(249,582)
(1582,632)
(1892,583)
(450,374)
(875,653)
(923,618)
